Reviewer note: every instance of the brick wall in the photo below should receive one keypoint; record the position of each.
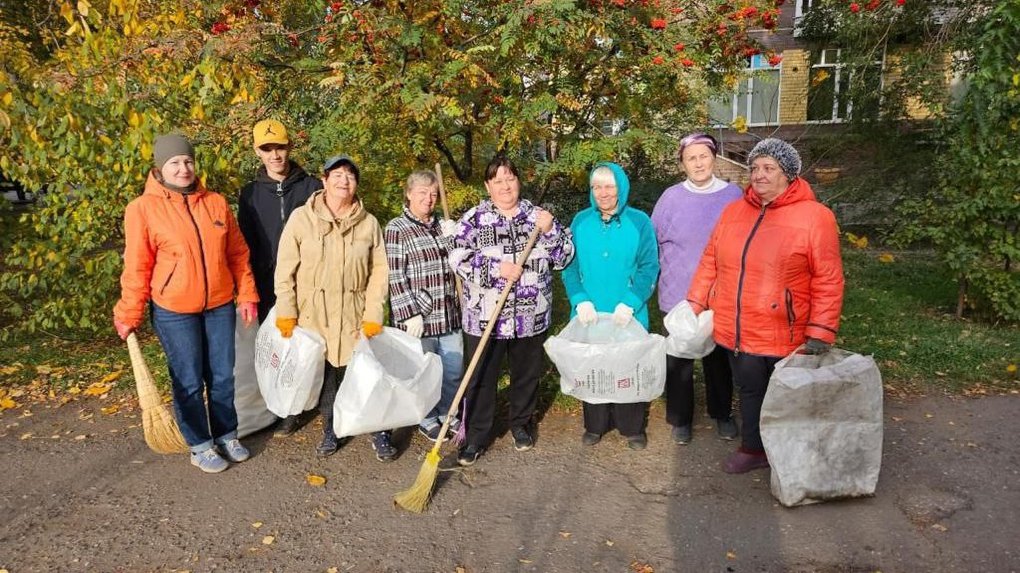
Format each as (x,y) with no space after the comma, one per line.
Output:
(793,90)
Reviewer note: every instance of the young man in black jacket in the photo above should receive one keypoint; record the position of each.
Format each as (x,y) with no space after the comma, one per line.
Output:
(280,186)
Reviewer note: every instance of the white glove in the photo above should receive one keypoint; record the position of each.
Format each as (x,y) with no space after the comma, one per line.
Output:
(586,313)
(622,314)
(448,227)
(415,326)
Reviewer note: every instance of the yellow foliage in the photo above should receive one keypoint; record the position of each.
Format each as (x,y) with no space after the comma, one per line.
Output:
(857,242)
(315,480)
(886,258)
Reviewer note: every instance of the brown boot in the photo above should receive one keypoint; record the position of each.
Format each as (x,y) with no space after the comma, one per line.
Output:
(744,460)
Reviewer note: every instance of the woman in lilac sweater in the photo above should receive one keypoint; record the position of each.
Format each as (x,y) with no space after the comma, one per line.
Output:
(683,219)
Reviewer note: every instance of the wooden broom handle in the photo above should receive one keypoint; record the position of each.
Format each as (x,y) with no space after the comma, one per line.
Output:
(485,339)
(442,192)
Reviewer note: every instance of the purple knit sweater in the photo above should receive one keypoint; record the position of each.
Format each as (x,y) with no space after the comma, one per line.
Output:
(683,221)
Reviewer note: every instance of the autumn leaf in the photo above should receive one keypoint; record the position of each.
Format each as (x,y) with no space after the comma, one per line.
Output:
(315,480)
(7,404)
(886,258)
(641,567)
(111,377)
(565,534)
(257,524)
(857,242)
(268,540)
(110,409)
(731,555)
(97,389)
(1011,369)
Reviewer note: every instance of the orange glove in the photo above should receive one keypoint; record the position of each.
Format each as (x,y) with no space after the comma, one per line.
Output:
(286,326)
(371,328)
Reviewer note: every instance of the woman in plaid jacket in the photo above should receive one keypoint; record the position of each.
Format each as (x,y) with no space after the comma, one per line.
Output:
(423,292)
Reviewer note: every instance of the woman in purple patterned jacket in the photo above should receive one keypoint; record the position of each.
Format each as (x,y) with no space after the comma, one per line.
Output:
(486,245)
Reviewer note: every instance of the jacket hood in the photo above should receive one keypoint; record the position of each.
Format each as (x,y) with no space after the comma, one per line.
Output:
(798,190)
(622,186)
(154,187)
(324,219)
(295,174)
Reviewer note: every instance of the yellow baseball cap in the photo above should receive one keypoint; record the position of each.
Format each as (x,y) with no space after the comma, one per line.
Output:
(269,131)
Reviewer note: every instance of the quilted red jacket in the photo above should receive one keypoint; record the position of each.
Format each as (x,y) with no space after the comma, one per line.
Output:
(772,273)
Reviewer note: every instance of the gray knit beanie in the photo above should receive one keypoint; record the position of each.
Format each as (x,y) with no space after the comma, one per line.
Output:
(784,154)
(170,145)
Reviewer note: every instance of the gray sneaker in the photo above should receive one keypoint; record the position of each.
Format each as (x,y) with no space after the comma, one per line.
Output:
(234,451)
(727,429)
(681,434)
(209,461)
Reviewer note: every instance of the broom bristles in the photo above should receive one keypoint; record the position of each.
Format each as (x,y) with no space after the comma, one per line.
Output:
(416,499)
(162,433)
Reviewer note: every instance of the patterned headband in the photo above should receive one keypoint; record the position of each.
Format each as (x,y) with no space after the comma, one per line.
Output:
(698,138)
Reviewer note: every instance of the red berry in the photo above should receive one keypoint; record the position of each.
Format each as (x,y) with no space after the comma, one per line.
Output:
(657,60)
(855,7)
(658,24)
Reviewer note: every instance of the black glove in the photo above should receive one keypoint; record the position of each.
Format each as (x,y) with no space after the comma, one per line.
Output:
(815,346)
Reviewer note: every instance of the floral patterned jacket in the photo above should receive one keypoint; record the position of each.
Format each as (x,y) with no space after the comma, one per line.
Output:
(485,238)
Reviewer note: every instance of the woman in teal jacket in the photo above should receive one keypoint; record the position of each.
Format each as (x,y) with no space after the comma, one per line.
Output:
(615,266)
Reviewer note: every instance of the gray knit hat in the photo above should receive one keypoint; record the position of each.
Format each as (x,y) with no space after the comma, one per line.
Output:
(784,154)
(171,145)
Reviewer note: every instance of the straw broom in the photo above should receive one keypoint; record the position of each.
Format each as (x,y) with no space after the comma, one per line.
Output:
(161,431)
(417,498)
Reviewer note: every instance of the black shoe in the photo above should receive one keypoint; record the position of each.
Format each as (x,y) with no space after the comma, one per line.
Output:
(384,450)
(431,434)
(591,438)
(287,426)
(681,434)
(328,446)
(522,439)
(638,442)
(469,454)
(727,429)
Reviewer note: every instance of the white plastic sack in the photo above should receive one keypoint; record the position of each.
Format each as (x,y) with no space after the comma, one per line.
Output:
(821,423)
(389,383)
(289,370)
(604,363)
(252,413)
(690,335)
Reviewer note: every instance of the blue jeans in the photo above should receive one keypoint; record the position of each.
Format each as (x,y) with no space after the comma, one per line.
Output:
(199,351)
(450,348)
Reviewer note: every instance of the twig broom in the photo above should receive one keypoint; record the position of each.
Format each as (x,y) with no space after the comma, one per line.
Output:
(161,431)
(417,498)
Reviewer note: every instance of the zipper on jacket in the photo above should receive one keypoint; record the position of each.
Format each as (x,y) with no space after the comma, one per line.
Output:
(791,316)
(743,270)
(279,195)
(201,252)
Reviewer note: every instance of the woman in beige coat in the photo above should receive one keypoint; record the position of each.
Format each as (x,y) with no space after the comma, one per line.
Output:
(331,277)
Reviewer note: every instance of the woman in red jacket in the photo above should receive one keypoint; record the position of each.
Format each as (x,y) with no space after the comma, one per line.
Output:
(185,258)
(773,274)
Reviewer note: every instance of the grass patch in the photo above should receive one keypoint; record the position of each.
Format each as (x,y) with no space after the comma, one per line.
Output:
(901,312)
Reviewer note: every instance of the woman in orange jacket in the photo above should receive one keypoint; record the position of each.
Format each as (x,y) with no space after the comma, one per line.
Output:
(185,256)
(773,274)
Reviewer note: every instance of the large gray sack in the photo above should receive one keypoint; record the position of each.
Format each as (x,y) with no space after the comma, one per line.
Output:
(821,423)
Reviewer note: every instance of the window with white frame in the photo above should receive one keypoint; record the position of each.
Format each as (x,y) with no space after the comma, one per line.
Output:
(829,88)
(801,8)
(756,98)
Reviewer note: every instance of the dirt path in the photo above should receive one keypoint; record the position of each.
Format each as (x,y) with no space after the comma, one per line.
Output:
(948,500)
